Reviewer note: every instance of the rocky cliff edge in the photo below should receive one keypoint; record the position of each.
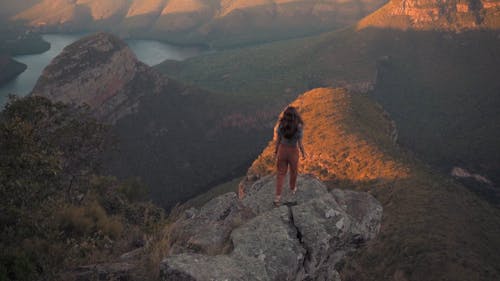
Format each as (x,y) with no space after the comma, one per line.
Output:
(249,239)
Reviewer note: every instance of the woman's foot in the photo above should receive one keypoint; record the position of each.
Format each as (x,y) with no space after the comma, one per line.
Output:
(294,190)
(277,201)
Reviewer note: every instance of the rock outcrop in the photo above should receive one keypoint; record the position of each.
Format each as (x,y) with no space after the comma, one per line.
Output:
(102,72)
(302,240)
(455,15)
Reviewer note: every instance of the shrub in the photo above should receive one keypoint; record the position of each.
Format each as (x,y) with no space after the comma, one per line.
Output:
(74,221)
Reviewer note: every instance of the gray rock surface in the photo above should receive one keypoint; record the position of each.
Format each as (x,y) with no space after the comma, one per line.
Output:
(301,240)
(207,230)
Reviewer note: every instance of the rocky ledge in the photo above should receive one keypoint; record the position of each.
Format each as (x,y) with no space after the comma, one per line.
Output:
(249,239)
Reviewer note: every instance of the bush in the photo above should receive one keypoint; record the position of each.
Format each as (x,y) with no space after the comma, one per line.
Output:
(79,221)
(74,221)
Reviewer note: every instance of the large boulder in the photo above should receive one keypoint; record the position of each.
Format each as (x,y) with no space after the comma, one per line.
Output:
(207,230)
(301,240)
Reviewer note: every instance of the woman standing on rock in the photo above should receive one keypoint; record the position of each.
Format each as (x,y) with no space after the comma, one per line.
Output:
(289,131)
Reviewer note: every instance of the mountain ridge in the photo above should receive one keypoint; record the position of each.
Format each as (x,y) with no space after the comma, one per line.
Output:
(196,22)
(430,221)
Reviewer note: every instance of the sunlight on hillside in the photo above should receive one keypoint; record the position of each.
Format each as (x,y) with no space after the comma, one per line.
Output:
(339,146)
(433,15)
(144,7)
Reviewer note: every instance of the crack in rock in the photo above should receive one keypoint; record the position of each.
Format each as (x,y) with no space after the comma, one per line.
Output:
(299,242)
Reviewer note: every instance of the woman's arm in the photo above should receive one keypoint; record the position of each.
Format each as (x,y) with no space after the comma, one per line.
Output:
(277,146)
(302,149)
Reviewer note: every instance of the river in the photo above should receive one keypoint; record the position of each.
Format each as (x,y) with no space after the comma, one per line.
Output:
(148,51)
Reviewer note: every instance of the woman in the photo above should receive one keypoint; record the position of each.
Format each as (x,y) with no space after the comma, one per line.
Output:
(289,131)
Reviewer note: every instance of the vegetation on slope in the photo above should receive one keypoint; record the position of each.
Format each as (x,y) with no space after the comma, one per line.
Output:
(433,228)
(57,210)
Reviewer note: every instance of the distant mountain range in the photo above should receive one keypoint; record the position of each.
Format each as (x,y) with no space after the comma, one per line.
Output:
(216,22)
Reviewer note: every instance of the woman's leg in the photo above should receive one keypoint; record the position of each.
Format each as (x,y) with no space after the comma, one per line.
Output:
(282,165)
(294,166)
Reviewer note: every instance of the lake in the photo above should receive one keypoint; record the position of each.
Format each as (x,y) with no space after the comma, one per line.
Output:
(148,51)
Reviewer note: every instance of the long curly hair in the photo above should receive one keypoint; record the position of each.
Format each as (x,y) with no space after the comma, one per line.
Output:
(290,121)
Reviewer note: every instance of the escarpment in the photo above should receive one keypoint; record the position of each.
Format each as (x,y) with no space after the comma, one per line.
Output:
(457,15)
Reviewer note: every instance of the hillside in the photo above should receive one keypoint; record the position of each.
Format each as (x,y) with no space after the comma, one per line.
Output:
(438,85)
(432,229)
(217,23)
(178,139)
(9,69)
(59,212)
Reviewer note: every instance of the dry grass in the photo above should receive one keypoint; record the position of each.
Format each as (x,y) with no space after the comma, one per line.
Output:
(157,247)
(336,150)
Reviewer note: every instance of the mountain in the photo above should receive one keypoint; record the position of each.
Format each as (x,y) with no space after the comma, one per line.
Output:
(178,139)
(439,85)
(433,228)
(217,22)
(431,15)
(100,71)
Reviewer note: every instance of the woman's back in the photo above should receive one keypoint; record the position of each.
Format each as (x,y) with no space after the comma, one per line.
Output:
(290,136)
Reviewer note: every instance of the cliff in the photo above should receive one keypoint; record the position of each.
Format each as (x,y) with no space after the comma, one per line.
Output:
(454,15)
(229,239)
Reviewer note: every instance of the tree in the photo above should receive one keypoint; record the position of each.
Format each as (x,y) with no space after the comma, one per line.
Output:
(46,148)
